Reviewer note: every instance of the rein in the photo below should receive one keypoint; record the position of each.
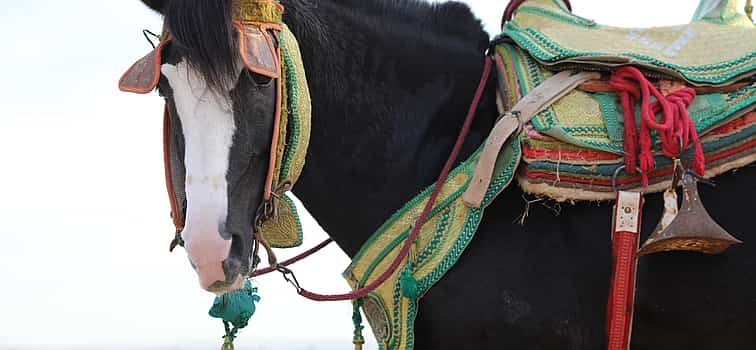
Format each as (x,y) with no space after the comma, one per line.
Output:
(292,261)
(361,292)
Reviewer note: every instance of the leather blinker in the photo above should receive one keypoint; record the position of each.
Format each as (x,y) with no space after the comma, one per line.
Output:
(144,75)
(257,50)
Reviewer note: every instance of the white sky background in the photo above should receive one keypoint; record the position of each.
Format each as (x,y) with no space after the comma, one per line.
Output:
(84,225)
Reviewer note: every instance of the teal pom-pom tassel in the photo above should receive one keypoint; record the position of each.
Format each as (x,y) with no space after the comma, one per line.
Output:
(408,283)
(236,307)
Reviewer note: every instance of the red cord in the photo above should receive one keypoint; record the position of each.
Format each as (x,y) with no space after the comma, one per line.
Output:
(674,126)
(361,292)
(293,260)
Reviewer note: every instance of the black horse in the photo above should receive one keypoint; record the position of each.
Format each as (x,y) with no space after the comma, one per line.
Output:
(391,81)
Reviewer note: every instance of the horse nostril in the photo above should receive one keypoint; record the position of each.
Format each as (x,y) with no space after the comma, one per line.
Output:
(232,267)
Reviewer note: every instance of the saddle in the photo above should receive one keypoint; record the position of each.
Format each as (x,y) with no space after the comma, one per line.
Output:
(579,147)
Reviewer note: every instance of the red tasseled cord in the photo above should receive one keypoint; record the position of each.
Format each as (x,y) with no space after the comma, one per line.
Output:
(674,126)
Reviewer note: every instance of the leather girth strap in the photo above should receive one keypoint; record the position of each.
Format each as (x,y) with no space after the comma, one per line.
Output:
(176,215)
(625,237)
(526,109)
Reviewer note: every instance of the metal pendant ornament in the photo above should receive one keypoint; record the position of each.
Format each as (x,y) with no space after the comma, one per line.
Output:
(690,228)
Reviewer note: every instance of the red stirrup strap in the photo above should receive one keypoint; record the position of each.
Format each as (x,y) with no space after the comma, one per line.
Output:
(625,233)
(178,219)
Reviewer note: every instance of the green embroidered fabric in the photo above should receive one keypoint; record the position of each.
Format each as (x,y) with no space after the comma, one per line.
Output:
(391,309)
(586,127)
(286,230)
(719,48)
(595,120)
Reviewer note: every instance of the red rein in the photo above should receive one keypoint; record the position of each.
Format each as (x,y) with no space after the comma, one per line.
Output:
(361,292)
(674,126)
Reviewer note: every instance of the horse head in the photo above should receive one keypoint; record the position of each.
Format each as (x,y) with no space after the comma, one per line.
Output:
(220,117)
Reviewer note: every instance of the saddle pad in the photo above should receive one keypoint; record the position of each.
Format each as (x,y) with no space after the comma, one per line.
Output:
(572,149)
(710,51)
(567,172)
(594,120)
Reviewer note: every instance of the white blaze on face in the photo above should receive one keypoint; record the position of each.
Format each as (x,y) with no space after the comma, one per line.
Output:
(207,122)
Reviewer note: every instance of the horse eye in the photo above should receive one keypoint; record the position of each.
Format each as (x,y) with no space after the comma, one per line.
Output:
(259,79)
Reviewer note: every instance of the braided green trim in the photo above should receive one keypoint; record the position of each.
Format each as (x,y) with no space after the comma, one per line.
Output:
(608,107)
(527,38)
(562,17)
(293,96)
(438,235)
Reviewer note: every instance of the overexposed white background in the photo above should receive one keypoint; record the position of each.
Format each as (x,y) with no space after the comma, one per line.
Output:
(84,226)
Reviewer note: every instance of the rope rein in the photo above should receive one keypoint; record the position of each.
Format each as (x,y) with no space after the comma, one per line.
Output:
(365,290)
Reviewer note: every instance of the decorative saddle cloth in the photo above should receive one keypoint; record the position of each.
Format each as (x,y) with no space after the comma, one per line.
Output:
(715,50)
(572,149)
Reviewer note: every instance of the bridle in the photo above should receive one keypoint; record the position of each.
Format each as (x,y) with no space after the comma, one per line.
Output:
(255,22)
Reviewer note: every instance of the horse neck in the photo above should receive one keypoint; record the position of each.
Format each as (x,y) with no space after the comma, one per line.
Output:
(388,102)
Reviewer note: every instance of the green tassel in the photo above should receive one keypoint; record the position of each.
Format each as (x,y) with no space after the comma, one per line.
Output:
(408,283)
(235,308)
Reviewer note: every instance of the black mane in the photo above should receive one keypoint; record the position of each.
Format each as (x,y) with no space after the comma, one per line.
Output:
(203,32)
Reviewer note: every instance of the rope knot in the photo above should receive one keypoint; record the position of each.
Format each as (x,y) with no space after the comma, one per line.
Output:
(667,115)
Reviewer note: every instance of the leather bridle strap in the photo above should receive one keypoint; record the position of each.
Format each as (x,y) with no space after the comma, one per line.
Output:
(363,291)
(274,142)
(293,260)
(625,231)
(178,219)
(540,98)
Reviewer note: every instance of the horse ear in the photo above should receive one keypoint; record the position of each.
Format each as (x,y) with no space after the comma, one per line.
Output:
(157,5)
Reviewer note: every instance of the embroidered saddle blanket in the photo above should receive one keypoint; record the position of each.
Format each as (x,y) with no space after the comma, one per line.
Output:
(573,148)
(717,49)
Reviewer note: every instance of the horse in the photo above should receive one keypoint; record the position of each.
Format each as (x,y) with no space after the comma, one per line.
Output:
(391,81)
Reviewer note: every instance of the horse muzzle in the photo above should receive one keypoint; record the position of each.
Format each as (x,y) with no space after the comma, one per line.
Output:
(218,270)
